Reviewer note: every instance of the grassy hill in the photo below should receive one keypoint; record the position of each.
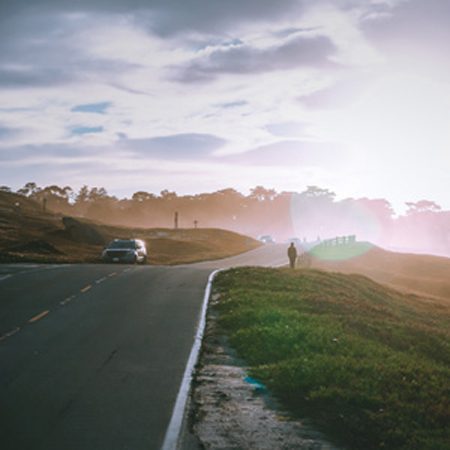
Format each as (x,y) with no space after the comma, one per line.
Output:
(370,365)
(29,234)
(422,274)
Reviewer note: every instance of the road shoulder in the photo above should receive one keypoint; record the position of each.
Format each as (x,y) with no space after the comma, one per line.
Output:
(228,409)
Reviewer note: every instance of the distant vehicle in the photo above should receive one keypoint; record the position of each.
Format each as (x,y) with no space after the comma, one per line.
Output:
(267,239)
(130,251)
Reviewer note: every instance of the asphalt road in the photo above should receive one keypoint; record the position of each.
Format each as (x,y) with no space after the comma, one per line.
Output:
(92,356)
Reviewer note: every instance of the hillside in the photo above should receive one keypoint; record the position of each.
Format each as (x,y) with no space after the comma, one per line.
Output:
(29,234)
(422,274)
(368,364)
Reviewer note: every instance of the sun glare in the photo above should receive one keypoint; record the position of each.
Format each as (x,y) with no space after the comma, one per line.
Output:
(402,119)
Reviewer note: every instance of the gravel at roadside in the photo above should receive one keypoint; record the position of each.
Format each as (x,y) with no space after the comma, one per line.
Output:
(229,411)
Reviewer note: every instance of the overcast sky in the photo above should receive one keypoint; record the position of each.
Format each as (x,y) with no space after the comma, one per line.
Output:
(200,95)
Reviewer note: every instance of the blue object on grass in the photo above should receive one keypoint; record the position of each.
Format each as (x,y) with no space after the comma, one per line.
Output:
(259,387)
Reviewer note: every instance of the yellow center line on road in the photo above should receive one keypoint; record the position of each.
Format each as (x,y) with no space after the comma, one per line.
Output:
(86,288)
(100,280)
(112,274)
(67,300)
(39,316)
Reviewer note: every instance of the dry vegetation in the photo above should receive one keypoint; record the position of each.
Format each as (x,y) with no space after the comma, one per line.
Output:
(29,234)
(422,274)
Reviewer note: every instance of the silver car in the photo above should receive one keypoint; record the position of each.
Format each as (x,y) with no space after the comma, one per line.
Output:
(131,251)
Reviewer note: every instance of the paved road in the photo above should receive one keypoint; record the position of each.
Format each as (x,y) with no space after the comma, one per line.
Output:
(92,356)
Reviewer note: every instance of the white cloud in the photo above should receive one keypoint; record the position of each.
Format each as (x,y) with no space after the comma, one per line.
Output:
(253,55)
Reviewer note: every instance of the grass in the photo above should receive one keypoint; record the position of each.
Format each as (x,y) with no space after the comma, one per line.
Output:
(370,365)
(340,252)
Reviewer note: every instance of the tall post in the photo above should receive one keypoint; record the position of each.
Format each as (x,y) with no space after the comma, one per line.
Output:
(195,223)
(175,220)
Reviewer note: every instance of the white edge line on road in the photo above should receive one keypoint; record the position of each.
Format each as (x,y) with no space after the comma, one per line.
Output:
(10,333)
(173,431)
(5,277)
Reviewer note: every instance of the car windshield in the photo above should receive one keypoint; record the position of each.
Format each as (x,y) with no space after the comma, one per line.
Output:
(122,244)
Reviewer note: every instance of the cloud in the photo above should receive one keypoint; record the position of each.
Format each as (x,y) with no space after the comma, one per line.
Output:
(62,63)
(34,153)
(416,31)
(188,146)
(7,132)
(287,129)
(341,93)
(288,153)
(38,50)
(29,77)
(171,17)
(245,59)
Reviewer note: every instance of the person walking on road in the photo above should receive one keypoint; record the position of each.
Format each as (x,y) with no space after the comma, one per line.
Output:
(292,254)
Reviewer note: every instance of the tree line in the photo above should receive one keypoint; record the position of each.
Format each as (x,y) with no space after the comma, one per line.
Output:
(312,214)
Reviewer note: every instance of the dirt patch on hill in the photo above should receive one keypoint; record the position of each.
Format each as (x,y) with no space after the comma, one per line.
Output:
(229,410)
(29,234)
(420,274)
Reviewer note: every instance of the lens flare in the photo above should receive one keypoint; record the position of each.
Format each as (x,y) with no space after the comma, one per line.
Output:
(339,230)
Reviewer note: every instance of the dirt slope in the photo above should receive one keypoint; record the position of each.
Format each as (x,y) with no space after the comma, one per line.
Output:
(422,274)
(29,234)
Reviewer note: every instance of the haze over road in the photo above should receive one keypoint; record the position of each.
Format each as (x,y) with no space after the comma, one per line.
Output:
(92,356)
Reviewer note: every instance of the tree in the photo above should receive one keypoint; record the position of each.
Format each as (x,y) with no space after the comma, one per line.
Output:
(168,195)
(422,206)
(260,193)
(29,189)
(83,195)
(316,192)
(142,196)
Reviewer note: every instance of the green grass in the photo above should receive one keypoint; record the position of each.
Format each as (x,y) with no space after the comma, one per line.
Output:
(340,252)
(369,365)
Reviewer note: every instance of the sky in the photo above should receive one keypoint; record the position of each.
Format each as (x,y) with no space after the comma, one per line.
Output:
(199,95)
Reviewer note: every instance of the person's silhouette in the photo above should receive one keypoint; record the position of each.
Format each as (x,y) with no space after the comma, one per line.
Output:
(292,254)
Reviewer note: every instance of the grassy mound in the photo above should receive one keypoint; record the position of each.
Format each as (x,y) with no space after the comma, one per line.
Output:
(370,365)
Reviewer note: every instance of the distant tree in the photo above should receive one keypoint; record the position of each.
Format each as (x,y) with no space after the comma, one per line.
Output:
(168,195)
(87,197)
(229,193)
(142,196)
(5,189)
(422,206)
(54,197)
(315,192)
(29,189)
(424,226)
(314,212)
(260,193)
(83,195)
